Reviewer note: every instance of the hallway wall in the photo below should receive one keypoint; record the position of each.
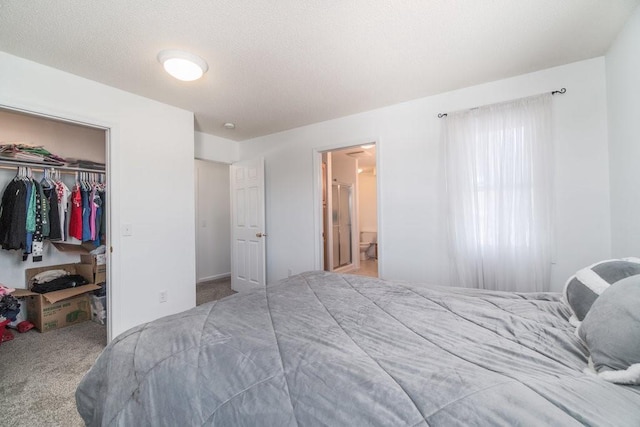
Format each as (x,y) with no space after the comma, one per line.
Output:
(213,230)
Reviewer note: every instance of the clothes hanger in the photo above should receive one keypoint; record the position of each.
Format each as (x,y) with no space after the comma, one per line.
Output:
(23,174)
(46,179)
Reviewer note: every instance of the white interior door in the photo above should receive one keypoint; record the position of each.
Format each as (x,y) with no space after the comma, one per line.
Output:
(247,225)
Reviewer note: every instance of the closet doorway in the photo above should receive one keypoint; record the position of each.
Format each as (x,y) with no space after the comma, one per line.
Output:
(64,165)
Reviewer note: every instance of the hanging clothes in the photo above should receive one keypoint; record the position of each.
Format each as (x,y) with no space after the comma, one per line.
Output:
(103,207)
(32,211)
(95,221)
(92,217)
(86,215)
(75,220)
(30,225)
(46,229)
(55,233)
(99,220)
(13,215)
(38,246)
(21,215)
(63,203)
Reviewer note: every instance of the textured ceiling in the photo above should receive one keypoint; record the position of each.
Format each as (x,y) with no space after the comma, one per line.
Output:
(276,65)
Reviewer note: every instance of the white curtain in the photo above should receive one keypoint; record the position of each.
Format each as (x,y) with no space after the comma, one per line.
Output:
(498,173)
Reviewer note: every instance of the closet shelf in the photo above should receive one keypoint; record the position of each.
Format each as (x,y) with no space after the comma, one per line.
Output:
(40,167)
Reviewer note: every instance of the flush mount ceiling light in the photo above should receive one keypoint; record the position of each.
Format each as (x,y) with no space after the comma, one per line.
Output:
(182,65)
(229,125)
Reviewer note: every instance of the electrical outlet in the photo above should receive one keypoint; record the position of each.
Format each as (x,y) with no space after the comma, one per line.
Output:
(162,296)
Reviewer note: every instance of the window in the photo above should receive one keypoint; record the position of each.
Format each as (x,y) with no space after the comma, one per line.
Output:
(498,183)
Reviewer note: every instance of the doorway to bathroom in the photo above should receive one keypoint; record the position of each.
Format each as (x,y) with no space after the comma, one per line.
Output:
(349,210)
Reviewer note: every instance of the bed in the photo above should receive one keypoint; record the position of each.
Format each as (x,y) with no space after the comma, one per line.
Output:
(342,350)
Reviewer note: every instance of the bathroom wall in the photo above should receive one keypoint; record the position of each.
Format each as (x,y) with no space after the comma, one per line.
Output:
(343,168)
(367,202)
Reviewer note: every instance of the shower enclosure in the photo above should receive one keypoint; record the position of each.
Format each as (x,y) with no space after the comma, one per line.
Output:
(342,205)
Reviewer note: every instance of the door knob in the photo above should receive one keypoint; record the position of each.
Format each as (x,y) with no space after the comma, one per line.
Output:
(261,235)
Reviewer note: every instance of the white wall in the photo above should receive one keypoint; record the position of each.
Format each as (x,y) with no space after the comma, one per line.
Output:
(210,147)
(213,229)
(151,158)
(411,232)
(623,91)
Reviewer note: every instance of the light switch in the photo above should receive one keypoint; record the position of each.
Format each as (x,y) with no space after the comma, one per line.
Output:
(127,230)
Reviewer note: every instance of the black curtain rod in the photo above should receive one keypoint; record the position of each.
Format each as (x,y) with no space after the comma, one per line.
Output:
(553,92)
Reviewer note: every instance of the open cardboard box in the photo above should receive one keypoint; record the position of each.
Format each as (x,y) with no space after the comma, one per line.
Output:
(62,308)
(97,262)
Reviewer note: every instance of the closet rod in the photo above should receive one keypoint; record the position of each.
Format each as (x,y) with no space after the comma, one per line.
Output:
(553,92)
(39,167)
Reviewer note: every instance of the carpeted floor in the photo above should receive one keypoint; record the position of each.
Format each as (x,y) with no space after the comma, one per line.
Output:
(39,373)
(213,290)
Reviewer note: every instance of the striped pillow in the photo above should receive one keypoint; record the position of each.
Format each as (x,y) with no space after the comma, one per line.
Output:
(583,289)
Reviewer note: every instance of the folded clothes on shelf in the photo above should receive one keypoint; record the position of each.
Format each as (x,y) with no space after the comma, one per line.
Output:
(22,152)
(85,164)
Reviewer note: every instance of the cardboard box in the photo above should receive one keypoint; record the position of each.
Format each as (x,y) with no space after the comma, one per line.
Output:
(58,309)
(100,277)
(97,261)
(74,248)
(49,316)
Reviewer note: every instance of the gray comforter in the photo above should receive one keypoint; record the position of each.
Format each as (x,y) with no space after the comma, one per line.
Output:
(341,350)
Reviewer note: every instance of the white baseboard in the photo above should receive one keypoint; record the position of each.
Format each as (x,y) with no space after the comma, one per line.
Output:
(214,277)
